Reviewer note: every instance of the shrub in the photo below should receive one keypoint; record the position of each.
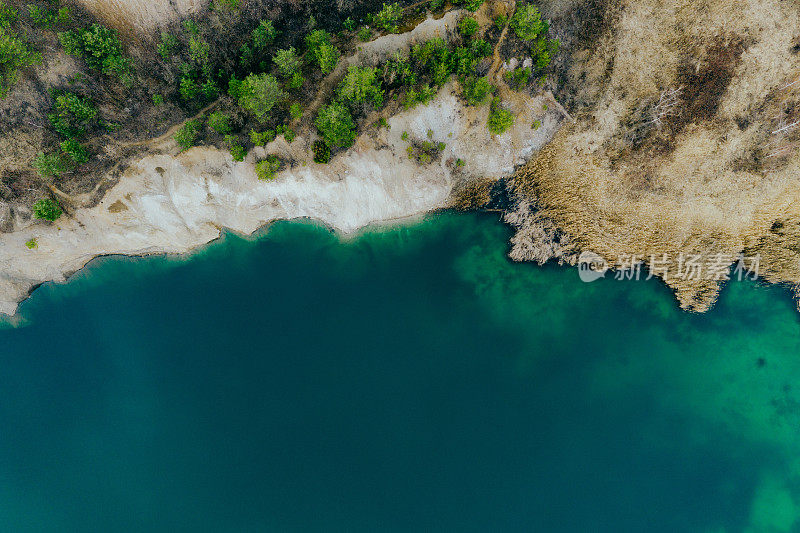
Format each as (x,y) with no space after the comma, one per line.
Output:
(264,35)
(258,94)
(543,50)
(287,62)
(480,48)
(226,5)
(360,84)
(14,52)
(46,209)
(476,90)
(518,78)
(72,115)
(191,27)
(199,52)
(51,165)
(435,5)
(296,81)
(158,100)
(423,95)
(189,88)
(220,123)
(322,152)
(468,26)
(499,119)
(261,138)
(286,131)
(472,5)
(314,40)
(327,57)
(349,24)
(387,17)
(237,150)
(364,34)
(75,150)
(527,22)
(266,169)
(295,111)
(500,22)
(30,244)
(187,134)
(462,62)
(335,125)
(397,71)
(100,47)
(167,46)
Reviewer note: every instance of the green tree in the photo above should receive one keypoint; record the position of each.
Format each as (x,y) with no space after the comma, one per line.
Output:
(72,115)
(322,152)
(327,57)
(167,46)
(238,152)
(468,26)
(266,169)
(360,84)
(199,52)
(314,41)
(46,209)
(527,23)
(473,5)
(261,138)
(75,150)
(258,94)
(264,35)
(220,123)
(287,62)
(476,90)
(335,125)
(187,134)
(100,47)
(15,54)
(51,165)
(499,119)
(388,16)
(295,111)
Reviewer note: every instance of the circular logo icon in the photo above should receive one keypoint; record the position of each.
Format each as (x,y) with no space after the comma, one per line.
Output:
(591,267)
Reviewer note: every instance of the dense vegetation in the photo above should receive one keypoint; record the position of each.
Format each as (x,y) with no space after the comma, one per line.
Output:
(259,86)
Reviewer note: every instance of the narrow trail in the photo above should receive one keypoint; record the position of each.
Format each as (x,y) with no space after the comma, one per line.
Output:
(496,59)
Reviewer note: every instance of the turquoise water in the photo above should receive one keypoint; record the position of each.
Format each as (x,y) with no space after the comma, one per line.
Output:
(408,379)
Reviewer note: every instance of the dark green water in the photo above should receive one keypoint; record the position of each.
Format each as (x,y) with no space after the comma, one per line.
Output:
(406,380)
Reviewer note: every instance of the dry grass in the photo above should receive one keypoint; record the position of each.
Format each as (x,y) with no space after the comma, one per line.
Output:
(715,175)
(141,15)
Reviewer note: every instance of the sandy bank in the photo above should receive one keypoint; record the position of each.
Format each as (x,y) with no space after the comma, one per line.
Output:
(168,203)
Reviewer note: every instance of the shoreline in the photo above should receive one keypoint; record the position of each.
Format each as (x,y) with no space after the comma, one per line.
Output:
(166,204)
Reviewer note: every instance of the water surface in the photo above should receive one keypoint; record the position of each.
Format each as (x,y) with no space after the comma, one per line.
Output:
(409,379)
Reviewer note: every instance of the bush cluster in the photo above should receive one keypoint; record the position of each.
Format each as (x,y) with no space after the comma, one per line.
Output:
(100,47)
